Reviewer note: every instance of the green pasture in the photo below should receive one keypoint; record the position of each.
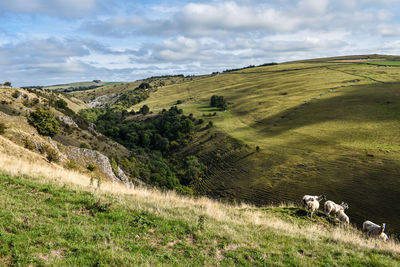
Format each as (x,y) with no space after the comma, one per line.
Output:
(386,63)
(322,128)
(43,223)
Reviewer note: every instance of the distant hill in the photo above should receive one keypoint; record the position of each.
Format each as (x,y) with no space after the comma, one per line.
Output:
(78,86)
(322,126)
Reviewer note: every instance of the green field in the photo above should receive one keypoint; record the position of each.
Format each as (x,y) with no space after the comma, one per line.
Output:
(322,127)
(73,225)
(386,63)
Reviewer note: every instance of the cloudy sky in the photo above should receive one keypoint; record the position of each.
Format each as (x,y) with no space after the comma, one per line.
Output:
(47,42)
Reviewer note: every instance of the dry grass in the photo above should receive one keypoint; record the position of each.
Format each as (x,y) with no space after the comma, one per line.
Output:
(239,220)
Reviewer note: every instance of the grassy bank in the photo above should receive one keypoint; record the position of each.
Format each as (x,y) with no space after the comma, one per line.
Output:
(51,216)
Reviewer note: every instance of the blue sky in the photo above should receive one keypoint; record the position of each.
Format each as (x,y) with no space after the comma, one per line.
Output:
(47,42)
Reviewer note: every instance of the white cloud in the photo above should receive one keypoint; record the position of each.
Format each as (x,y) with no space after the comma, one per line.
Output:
(58,8)
(125,41)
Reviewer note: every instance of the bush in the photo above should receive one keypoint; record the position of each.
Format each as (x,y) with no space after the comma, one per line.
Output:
(16,94)
(84,145)
(29,144)
(144,110)
(44,122)
(144,85)
(61,103)
(51,153)
(3,128)
(114,166)
(218,102)
(91,167)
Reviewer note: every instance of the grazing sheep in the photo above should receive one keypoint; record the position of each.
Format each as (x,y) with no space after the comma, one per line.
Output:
(343,217)
(307,198)
(312,205)
(376,230)
(332,207)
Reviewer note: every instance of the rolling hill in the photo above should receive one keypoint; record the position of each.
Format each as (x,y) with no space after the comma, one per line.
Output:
(57,217)
(323,126)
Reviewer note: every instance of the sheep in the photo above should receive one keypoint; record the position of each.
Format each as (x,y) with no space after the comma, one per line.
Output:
(376,230)
(307,198)
(343,217)
(332,207)
(311,203)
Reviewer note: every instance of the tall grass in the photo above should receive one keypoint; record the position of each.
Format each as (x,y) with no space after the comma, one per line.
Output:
(171,205)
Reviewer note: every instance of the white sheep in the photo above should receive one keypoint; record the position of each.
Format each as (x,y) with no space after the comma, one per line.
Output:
(312,205)
(343,217)
(332,207)
(307,198)
(376,230)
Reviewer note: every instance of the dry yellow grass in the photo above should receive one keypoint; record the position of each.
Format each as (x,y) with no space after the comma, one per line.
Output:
(239,220)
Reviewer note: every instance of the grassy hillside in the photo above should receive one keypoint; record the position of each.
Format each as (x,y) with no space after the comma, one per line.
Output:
(75,223)
(322,127)
(77,84)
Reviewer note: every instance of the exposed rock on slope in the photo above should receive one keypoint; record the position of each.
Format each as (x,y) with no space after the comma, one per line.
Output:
(85,157)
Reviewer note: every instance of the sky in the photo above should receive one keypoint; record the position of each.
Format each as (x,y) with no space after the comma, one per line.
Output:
(50,42)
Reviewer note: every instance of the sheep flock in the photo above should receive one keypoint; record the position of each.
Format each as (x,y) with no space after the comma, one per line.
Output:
(312,203)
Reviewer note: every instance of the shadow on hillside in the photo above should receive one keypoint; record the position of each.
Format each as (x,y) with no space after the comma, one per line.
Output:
(357,104)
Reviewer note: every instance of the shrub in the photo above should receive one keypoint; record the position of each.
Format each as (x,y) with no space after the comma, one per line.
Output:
(114,166)
(84,145)
(44,122)
(218,102)
(71,165)
(29,144)
(144,110)
(61,103)
(3,128)
(91,167)
(16,94)
(144,85)
(51,153)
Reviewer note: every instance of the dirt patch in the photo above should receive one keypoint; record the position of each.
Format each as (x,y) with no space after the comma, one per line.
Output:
(54,254)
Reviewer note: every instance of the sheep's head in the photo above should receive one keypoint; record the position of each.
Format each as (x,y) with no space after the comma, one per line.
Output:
(322,197)
(344,205)
(383,226)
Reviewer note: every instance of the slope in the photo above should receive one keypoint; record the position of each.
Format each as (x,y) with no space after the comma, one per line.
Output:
(51,216)
(322,127)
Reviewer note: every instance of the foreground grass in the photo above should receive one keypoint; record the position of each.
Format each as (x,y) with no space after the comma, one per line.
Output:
(63,220)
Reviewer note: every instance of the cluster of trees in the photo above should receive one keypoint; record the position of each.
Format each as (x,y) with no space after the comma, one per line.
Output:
(79,88)
(135,96)
(156,133)
(218,102)
(151,142)
(44,122)
(8,84)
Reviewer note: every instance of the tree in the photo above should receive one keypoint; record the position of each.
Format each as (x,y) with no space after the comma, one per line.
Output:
(44,122)
(218,102)
(7,84)
(144,110)
(144,85)
(61,103)
(194,169)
